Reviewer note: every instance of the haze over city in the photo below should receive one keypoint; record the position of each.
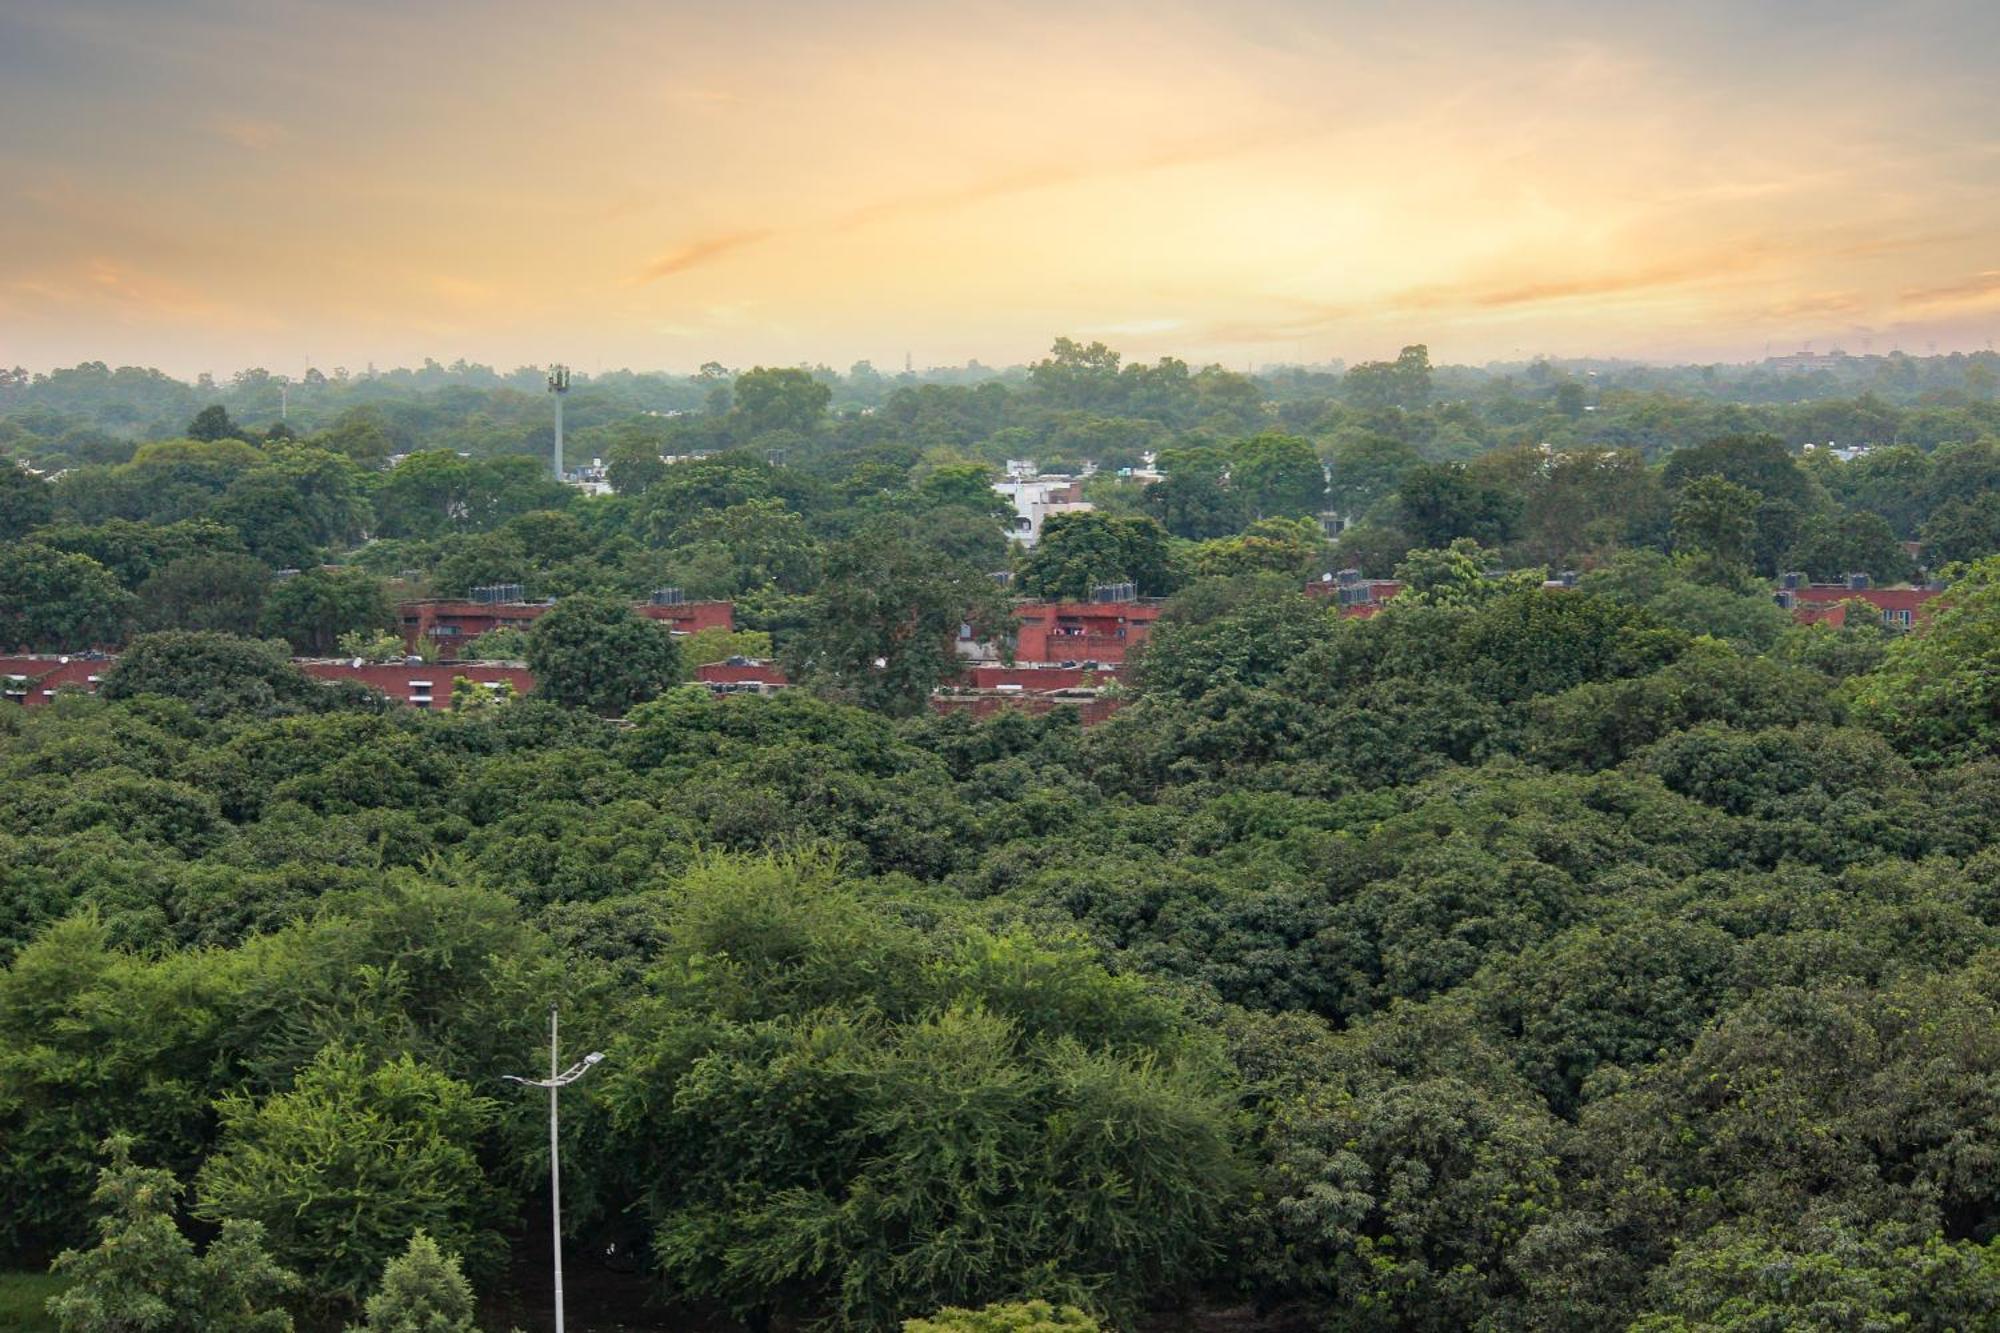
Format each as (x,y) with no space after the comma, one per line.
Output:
(208,186)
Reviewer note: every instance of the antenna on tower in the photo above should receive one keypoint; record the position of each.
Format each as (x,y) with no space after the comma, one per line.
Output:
(558,386)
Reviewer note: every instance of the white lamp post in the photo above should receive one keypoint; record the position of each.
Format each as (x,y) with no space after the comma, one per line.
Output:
(555,1082)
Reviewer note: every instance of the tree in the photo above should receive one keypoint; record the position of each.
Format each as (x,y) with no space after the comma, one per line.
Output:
(1079,551)
(428,493)
(422,1291)
(350,1162)
(472,696)
(1260,632)
(1962,529)
(24,501)
(884,620)
(1289,546)
(595,652)
(504,644)
(1829,1279)
(1715,529)
(295,507)
(217,674)
(51,601)
(213,423)
(1193,499)
(980,1095)
(1076,376)
(1367,467)
(1832,546)
(780,399)
(1406,1200)
(1011,1317)
(1936,695)
(1278,476)
(220,593)
(311,611)
(1403,383)
(144,1273)
(1443,502)
(1760,463)
(1453,576)
(134,552)
(716,644)
(633,465)
(766,545)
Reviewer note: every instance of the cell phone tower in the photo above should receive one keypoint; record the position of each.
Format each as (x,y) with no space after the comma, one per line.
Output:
(558,386)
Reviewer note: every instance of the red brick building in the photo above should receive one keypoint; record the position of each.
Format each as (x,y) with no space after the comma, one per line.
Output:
(448,624)
(1037,677)
(741,675)
(424,685)
(1358,598)
(1827,603)
(1083,631)
(33,679)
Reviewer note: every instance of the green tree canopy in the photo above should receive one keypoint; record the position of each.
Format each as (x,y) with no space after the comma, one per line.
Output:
(596,653)
(52,601)
(351,1161)
(312,611)
(885,618)
(1936,695)
(144,1273)
(1077,552)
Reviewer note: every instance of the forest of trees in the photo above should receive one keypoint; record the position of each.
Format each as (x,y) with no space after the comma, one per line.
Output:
(1617,956)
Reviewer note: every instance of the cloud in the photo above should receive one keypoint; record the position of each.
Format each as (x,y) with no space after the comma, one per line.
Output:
(696,253)
(1132,327)
(1021,181)
(1813,303)
(114,290)
(255,135)
(1975,289)
(1541,291)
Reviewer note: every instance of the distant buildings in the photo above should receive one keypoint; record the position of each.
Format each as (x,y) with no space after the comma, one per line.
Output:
(32,679)
(1356,597)
(1829,603)
(1036,497)
(1105,630)
(423,684)
(449,623)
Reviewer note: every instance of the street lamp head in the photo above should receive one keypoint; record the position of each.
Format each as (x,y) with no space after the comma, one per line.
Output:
(593,1057)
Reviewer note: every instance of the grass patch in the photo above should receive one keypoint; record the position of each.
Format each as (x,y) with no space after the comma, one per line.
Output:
(24,1302)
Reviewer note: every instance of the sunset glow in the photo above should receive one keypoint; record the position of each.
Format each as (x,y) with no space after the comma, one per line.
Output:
(205,186)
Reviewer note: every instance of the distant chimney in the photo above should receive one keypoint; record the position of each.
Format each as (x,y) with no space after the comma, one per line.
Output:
(1792,580)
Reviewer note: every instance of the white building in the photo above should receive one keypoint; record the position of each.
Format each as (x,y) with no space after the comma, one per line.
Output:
(1036,497)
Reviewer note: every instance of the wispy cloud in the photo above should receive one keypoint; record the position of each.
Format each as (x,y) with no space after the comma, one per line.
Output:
(1022,180)
(1706,267)
(1975,289)
(248,132)
(702,251)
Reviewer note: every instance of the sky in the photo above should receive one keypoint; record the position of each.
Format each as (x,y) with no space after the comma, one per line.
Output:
(206,185)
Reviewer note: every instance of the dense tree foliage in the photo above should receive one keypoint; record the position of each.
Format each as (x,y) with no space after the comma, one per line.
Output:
(1533,953)
(593,652)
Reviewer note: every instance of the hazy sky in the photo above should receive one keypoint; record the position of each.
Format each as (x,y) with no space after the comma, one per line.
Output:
(204,186)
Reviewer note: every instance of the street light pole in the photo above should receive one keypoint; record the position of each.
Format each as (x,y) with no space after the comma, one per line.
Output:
(555,1082)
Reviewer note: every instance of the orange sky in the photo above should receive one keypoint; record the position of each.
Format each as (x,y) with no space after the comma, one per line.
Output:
(205,186)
